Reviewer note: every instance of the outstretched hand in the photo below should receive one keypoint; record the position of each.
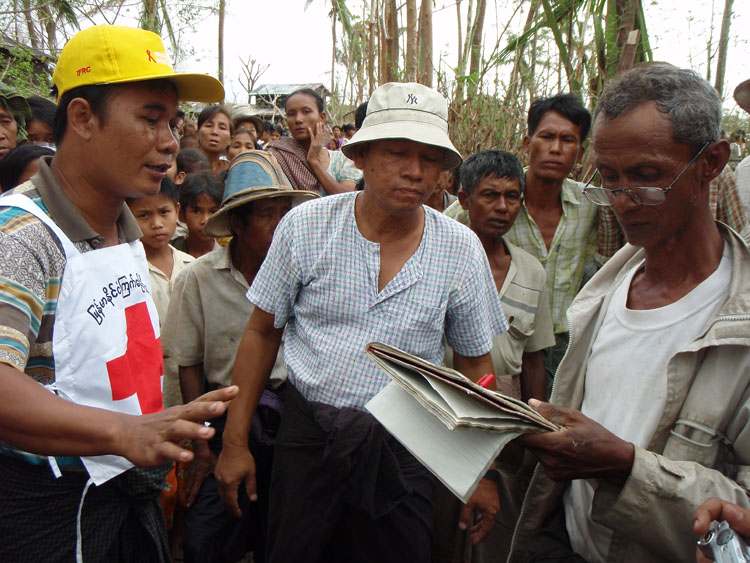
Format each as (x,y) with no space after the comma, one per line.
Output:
(154,439)
(581,449)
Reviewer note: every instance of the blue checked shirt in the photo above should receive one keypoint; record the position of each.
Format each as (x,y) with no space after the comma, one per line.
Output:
(320,279)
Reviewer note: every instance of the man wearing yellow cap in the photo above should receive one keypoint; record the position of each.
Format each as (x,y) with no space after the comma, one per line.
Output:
(80,355)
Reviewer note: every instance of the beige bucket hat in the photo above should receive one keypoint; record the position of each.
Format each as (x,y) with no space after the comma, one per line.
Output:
(407,110)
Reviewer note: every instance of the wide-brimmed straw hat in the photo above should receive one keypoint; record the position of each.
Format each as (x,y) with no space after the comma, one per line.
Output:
(407,110)
(243,112)
(742,95)
(252,175)
(116,54)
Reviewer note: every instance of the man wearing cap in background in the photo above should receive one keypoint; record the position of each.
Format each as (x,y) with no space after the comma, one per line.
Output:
(242,118)
(207,315)
(76,316)
(344,271)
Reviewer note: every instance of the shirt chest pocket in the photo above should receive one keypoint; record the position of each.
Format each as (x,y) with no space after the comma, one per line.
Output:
(521,324)
(417,324)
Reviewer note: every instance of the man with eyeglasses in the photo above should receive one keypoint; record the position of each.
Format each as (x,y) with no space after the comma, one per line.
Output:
(653,395)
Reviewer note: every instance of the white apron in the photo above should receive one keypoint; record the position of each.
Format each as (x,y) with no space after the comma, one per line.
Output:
(106,334)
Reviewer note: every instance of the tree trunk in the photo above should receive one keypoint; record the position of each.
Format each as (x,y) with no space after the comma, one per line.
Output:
(371,58)
(411,40)
(33,40)
(221,40)
(425,43)
(460,35)
(515,75)
(333,50)
(149,18)
(476,45)
(391,41)
(382,56)
(721,61)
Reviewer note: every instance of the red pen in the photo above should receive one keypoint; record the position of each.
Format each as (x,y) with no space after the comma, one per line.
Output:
(486,380)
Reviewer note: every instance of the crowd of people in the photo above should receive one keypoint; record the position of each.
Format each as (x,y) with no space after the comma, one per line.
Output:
(184,309)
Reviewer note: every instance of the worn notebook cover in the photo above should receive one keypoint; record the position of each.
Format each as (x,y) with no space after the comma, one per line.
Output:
(452,425)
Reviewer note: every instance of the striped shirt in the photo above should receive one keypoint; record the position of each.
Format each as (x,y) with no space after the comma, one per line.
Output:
(31,267)
(320,279)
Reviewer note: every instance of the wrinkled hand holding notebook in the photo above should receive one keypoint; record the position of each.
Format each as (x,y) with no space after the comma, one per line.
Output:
(455,427)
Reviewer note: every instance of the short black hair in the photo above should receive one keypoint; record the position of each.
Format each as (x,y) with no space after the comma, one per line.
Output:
(319,103)
(210,111)
(200,183)
(15,162)
(268,126)
(359,115)
(190,161)
(567,105)
(243,131)
(98,97)
(42,110)
(348,127)
(170,189)
(184,140)
(490,162)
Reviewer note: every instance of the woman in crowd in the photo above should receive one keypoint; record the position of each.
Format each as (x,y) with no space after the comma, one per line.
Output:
(303,156)
(214,132)
(335,143)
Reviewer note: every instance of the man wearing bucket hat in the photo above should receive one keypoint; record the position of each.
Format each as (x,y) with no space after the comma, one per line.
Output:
(207,315)
(80,356)
(344,271)
(243,118)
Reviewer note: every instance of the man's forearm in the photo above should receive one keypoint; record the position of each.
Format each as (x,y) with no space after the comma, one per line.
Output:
(533,377)
(253,363)
(36,420)
(473,367)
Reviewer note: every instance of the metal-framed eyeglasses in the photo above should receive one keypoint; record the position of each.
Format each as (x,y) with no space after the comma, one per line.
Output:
(605,197)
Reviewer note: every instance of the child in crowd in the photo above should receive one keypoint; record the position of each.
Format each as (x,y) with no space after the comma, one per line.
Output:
(157,218)
(200,197)
(189,161)
(243,140)
(206,319)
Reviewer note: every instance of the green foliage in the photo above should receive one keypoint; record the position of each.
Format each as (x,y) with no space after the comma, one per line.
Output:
(736,121)
(20,72)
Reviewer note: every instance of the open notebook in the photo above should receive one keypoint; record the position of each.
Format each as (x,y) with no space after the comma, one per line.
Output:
(452,425)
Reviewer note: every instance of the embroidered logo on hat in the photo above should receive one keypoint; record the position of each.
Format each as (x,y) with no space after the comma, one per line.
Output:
(409,111)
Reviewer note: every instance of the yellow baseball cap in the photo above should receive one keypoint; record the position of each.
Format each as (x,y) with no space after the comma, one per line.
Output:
(115,54)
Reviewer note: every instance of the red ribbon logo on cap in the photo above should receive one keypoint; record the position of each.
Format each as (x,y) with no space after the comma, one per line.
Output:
(150,58)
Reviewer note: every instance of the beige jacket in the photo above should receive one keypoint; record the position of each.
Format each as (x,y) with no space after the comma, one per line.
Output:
(702,439)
